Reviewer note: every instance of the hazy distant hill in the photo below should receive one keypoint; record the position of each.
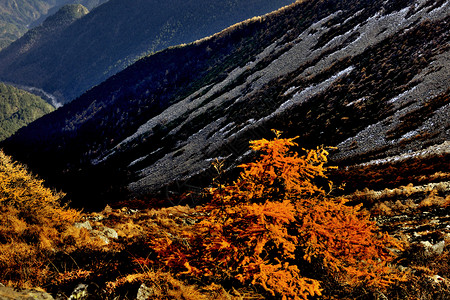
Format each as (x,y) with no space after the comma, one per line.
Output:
(89,4)
(50,29)
(16,16)
(19,108)
(116,34)
(371,77)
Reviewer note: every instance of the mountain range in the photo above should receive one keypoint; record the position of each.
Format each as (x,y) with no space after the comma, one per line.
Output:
(17,16)
(114,35)
(50,29)
(369,77)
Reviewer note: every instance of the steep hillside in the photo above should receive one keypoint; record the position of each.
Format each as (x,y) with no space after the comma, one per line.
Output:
(19,108)
(16,16)
(370,77)
(117,34)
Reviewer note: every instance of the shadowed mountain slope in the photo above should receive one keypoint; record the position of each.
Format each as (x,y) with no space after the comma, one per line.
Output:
(115,35)
(371,77)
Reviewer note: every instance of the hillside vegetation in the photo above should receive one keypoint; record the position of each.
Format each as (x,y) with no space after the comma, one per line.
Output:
(35,226)
(19,108)
(107,40)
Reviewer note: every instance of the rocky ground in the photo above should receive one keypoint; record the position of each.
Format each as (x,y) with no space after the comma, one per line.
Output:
(419,216)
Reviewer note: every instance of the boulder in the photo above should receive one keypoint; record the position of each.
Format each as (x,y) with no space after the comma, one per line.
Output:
(85,225)
(80,292)
(145,293)
(435,249)
(9,293)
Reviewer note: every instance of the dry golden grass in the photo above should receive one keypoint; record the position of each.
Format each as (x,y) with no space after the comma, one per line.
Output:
(34,226)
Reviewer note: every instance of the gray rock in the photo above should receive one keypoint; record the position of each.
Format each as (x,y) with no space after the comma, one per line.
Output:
(80,292)
(145,293)
(9,293)
(435,249)
(86,225)
(110,233)
(438,279)
(439,247)
(101,236)
(105,234)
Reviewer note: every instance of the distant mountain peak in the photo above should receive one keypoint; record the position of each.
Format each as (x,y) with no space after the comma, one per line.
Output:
(18,16)
(65,15)
(39,36)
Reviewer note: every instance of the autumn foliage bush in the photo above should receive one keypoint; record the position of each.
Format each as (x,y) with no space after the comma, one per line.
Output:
(33,226)
(277,229)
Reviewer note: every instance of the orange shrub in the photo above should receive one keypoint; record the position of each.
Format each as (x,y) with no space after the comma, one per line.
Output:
(273,221)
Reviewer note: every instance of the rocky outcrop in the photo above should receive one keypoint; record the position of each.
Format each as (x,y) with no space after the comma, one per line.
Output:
(101,232)
(9,293)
